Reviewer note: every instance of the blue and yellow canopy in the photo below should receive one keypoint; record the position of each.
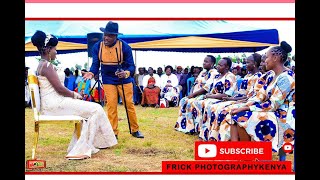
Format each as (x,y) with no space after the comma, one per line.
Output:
(178,36)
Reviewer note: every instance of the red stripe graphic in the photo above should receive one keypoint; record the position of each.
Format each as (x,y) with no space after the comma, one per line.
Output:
(227,167)
(90,173)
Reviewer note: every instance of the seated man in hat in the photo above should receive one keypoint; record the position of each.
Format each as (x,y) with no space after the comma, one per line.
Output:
(114,56)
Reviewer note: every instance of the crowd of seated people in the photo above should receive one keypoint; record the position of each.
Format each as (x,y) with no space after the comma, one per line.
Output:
(172,90)
(186,80)
(252,100)
(147,82)
(89,89)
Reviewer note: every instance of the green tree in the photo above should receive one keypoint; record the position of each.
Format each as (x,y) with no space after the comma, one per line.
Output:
(234,59)
(218,59)
(77,66)
(55,62)
(85,66)
(72,69)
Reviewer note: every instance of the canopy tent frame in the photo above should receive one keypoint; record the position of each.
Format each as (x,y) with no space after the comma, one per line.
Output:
(174,36)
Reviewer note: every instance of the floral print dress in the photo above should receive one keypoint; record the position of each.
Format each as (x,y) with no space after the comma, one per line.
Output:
(269,108)
(226,84)
(211,119)
(185,103)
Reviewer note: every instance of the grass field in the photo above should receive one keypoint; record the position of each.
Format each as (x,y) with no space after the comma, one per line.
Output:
(131,154)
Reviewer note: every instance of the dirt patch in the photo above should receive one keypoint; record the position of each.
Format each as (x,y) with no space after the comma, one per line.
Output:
(148,152)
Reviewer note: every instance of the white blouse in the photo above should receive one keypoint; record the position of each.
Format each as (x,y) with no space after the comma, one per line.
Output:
(172,79)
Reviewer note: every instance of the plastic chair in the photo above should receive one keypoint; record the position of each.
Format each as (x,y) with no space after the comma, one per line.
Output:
(46,119)
(190,82)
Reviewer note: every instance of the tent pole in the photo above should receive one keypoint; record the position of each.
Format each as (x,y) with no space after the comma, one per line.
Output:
(88,64)
(135,59)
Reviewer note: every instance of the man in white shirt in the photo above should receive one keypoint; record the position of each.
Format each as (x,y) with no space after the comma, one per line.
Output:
(238,63)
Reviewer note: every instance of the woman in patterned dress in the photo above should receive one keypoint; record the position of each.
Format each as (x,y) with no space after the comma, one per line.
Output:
(222,85)
(263,116)
(198,92)
(210,125)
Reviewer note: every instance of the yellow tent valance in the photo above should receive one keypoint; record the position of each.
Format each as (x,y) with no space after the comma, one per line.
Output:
(197,42)
(182,42)
(61,46)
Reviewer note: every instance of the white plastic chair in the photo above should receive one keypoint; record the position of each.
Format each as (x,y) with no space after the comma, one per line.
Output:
(46,119)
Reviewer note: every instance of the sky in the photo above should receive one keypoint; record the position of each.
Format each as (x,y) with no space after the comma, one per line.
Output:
(153,59)
(286,29)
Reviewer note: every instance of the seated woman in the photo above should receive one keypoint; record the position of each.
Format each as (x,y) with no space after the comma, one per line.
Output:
(234,70)
(56,99)
(263,116)
(223,85)
(262,67)
(210,122)
(169,87)
(197,92)
(218,129)
(151,91)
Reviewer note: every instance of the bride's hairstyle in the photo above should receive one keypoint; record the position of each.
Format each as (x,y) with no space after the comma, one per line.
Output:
(43,41)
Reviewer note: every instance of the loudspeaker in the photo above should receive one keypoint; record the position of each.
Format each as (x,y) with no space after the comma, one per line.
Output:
(92,38)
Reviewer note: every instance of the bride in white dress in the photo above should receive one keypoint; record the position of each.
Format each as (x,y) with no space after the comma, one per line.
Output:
(96,131)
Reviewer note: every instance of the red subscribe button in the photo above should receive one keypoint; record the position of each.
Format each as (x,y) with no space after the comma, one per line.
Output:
(233,150)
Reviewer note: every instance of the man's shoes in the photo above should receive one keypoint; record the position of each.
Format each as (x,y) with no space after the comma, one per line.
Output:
(137,134)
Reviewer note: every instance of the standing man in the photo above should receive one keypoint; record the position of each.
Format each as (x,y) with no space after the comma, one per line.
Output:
(138,86)
(108,53)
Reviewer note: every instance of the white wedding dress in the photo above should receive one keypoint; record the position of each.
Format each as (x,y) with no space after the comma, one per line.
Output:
(96,131)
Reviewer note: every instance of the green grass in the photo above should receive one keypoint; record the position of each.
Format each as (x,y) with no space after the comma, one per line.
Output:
(131,154)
